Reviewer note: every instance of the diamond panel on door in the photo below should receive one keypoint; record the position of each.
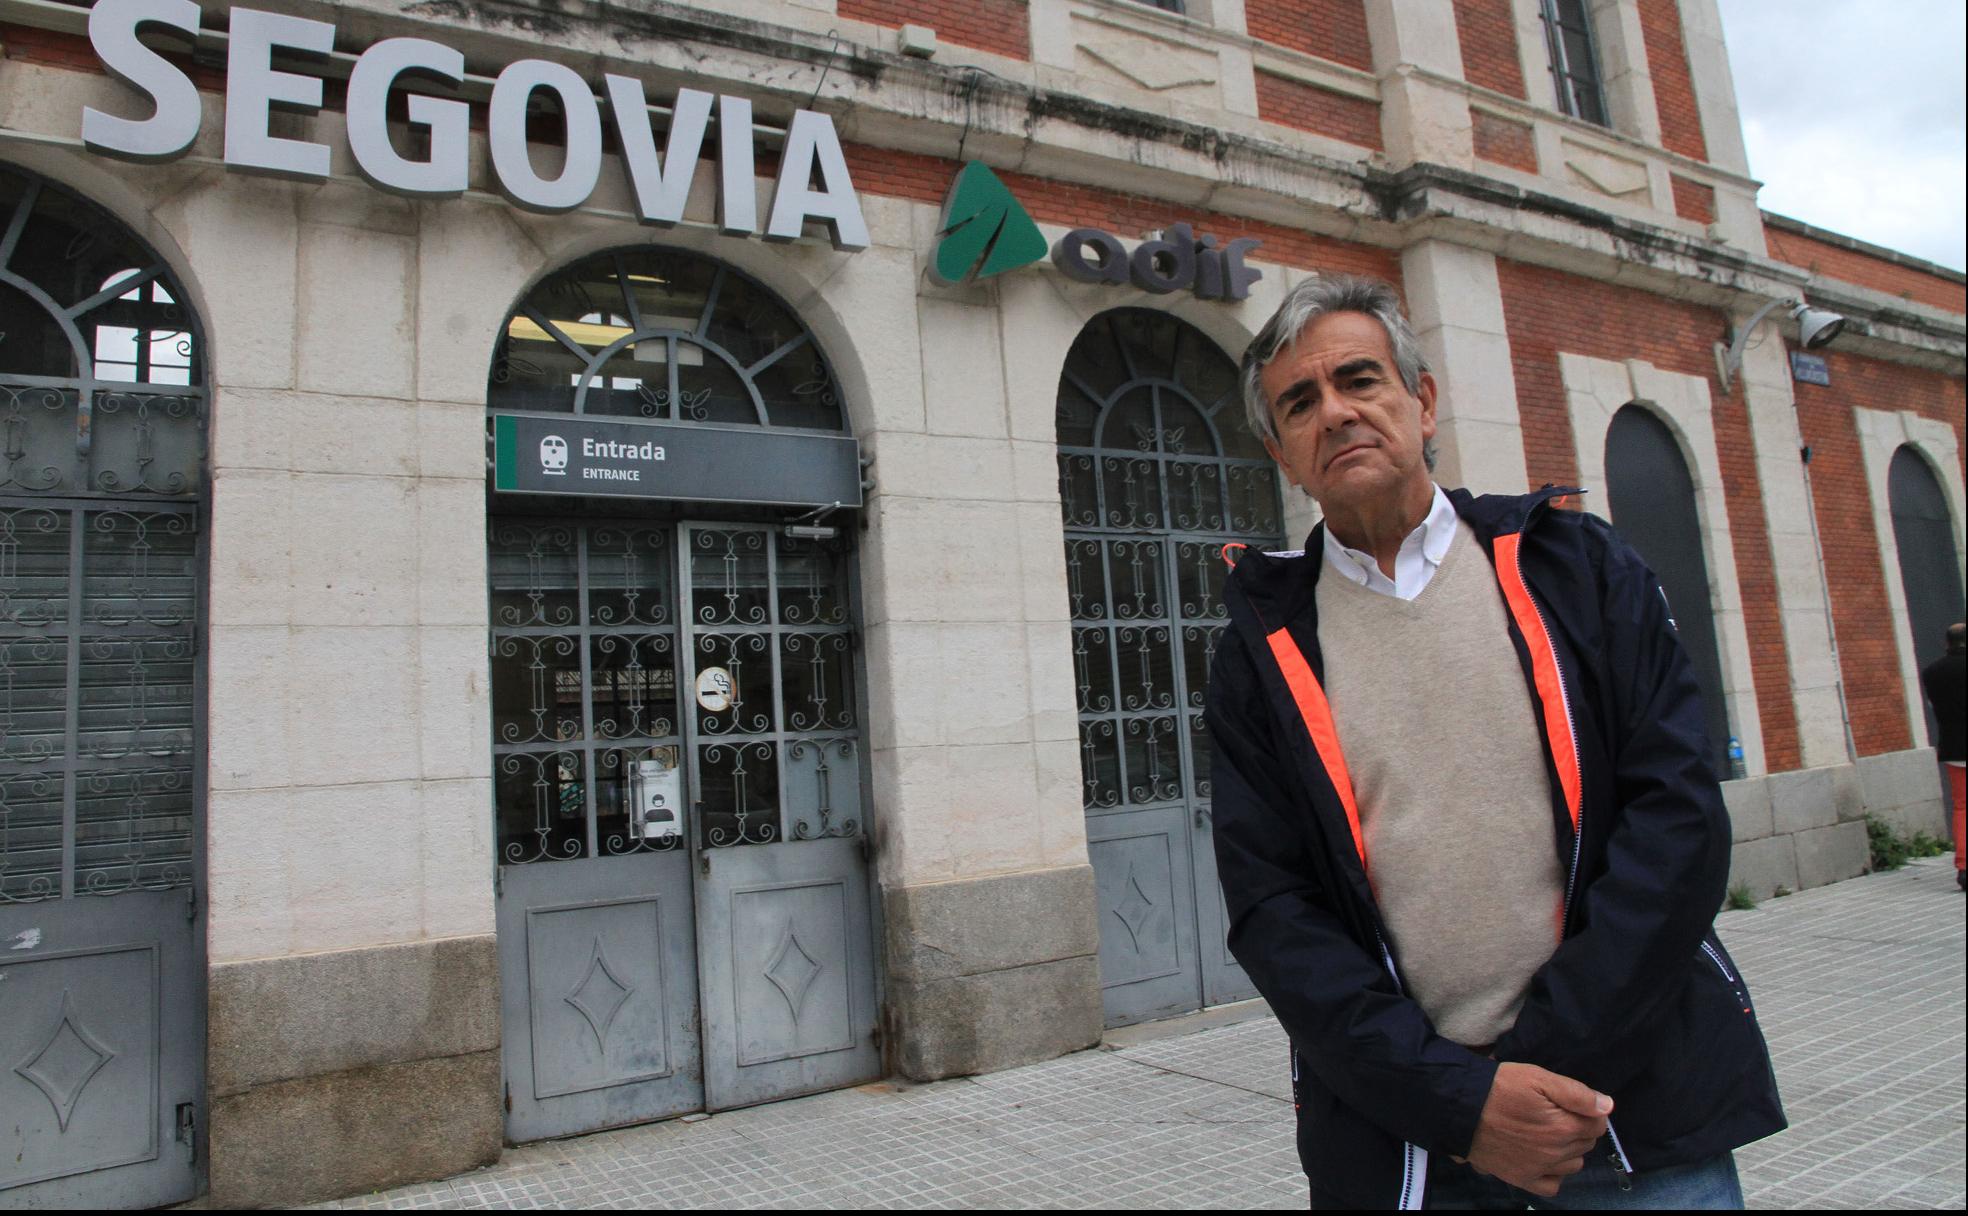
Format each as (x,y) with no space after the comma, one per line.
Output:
(601,1008)
(788,967)
(1148,955)
(78,1044)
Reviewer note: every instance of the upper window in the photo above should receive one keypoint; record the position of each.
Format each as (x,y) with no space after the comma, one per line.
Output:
(1173,6)
(1574,60)
(665,335)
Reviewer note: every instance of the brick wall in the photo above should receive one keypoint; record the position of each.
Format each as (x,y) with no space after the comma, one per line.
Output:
(1294,103)
(1328,29)
(30,45)
(1852,266)
(1856,570)
(1674,85)
(1502,142)
(926,179)
(1488,34)
(1693,200)
(1003,27)
(1547,311)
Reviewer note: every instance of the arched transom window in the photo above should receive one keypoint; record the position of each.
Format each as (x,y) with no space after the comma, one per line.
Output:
(665,335)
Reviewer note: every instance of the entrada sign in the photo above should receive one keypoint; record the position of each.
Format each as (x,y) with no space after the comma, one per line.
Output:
(577,454)
(660,180)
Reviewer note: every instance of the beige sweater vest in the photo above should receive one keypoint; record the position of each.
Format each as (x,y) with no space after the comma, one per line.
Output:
(1440,735)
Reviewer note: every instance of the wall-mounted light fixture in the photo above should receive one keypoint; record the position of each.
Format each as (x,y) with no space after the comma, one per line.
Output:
(1815,328)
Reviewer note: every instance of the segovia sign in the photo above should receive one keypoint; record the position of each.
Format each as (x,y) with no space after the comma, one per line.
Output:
(660,179)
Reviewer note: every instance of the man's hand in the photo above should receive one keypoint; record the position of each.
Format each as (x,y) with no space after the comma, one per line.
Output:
(1537,1127)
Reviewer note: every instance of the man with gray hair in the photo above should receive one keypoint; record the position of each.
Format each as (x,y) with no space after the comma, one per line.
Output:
(1469,837)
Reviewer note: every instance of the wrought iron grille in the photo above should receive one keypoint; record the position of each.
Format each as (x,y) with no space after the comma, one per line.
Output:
(98,641)
(589,675)
(666,335)
(102,447)
(1157,472)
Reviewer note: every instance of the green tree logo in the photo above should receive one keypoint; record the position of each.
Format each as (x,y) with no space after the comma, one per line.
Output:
(984,230)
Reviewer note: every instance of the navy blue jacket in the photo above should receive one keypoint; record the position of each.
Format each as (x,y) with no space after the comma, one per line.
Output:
(1638,1000)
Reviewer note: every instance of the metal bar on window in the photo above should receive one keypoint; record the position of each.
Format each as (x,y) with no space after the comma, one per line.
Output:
(590,763)
(71,722)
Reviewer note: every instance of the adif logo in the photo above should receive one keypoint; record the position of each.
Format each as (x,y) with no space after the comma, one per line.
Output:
(553,456)
(984,230)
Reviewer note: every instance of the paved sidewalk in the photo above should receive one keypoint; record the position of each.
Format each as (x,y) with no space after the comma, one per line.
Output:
(1859,985)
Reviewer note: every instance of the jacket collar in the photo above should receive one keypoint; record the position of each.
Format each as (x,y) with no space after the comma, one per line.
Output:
(1283,587)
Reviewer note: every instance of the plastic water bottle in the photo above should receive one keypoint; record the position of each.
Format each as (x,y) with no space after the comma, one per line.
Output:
(1737,769)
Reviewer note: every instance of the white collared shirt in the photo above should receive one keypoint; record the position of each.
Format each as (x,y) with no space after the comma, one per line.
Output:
(1421,553)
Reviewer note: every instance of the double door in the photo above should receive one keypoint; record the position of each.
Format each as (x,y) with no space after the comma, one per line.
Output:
(684,911)
(1147,614)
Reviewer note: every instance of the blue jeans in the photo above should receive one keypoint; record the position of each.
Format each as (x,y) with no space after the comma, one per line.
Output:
(1706,1186)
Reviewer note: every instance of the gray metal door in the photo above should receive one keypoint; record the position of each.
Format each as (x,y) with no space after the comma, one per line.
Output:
(1156,474)
(102,470)
(785,931)
(683,905)
(101,1011)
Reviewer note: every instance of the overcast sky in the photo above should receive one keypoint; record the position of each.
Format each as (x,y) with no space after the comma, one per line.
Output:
(1853,114)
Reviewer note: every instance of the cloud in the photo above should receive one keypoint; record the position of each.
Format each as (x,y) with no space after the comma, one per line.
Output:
(1853,116)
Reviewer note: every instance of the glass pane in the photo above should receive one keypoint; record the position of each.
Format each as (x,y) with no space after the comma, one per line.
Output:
(1138,580)
(634,685)
(34,570)
(1093,668)
(1132,489)
(145,443)
(1254,510)
(734,684)
(639,801)
(739,785)
(799,390)
(541,802)
(810,582)
(1153,766)
(712,391)
(536,688)
(1199,575)
(1086,579)
(135,722)
(1100,763)
(748,323)
(728,577)
(35,344)
(1079,490)
(815,692)
(1145,667)
(533,567)
(629,576)
(1195,495)
(1147,340)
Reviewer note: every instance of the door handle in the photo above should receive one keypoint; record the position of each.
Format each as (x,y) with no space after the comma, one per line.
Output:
(1203,819)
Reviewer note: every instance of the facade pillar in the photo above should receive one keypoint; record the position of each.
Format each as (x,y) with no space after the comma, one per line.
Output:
(1422,120)
(1814,675)
(1456,306)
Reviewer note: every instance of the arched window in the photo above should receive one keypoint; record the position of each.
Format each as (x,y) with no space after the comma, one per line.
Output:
(1652,500)
(666,335)
(102,480)
(1923,532)
(1157,472)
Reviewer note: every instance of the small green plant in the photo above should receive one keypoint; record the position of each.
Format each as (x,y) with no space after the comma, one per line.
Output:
(1740,900)
(1890,850)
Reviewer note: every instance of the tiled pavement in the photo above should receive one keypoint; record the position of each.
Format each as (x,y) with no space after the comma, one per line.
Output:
(1859,985)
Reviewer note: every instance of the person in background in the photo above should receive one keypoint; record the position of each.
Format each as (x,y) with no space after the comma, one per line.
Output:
(1946,684)
(1469,835)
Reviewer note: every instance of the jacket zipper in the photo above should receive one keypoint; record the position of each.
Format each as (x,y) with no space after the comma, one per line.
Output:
(1716,958)
(1565,700)
(1622,1164)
